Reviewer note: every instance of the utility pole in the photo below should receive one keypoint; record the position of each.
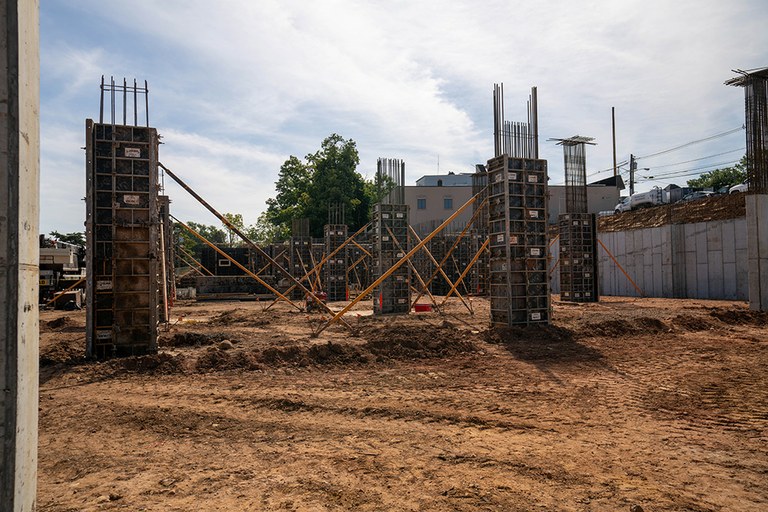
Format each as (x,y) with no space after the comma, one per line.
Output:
(613,131)
(632,169)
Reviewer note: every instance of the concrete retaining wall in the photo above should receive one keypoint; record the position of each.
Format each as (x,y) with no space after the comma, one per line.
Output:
(704,260)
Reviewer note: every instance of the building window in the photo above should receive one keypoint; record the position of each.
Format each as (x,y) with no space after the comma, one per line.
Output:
(448,203)
(439,183)
(421,203)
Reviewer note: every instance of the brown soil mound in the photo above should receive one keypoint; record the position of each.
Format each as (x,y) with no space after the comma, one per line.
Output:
(215,360)
(63,351)
(190,339)
(241,317)
(728,206)
(740,316)
(153,364)
(406,342)
(694,323)
(58,323)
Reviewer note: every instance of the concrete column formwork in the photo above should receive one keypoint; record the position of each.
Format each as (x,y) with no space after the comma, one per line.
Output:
(19,253)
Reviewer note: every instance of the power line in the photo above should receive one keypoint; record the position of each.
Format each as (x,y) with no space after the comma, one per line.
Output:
(697,159)
(716,136)
(680,173)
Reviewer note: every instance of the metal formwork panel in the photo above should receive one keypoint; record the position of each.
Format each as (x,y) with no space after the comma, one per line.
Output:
(390,244)
(519,280)
(122,232)
(335,269)
(578,257)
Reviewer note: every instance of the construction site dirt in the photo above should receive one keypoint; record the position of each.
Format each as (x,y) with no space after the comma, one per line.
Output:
(626,404)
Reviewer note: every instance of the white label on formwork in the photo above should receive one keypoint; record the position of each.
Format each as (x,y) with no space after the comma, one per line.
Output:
(587,275)
(385,238)
(512,240)
(400,254)
(399,215)
(384,215)
(535,316)
(534,214)
(499,238)
(103,335)
(535,251)
(532,178)
(513,176)
(587,294)
(575,223)
(104,284)
(498,177)
(131,199)
(401,301)
(132,152)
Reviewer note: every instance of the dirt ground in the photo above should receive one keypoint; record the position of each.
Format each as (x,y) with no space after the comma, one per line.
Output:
(661,404)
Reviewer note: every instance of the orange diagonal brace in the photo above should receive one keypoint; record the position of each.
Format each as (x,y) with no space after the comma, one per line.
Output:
(642,294)
(399,264)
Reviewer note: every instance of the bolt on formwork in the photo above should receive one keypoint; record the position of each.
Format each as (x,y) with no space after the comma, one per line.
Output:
(390,239)
(122,230)
(517,221)
(300,252)
(577,228)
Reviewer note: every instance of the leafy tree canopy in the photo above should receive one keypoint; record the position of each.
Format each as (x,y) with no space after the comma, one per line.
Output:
(725,177)
(326,178)
(75,238)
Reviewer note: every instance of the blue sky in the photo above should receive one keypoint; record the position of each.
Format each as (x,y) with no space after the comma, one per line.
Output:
(236,87)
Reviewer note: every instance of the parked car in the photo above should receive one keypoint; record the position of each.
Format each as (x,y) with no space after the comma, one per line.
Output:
(653,197)
(699,194)
(623,205)
(741,187)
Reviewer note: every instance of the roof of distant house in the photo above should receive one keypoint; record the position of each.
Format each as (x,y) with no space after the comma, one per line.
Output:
(462,179)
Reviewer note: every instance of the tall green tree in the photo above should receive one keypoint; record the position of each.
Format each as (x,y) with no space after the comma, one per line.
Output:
(235,219)
(325,179)
(194,245)
(292,188)
(335,181)
(725,177)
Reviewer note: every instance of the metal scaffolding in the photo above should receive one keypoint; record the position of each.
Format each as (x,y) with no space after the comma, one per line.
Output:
(755,83)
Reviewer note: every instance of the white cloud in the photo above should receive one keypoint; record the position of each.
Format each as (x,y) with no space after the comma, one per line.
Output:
(237,87)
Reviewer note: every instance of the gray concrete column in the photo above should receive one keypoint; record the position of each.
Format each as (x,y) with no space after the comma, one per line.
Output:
(19,253)
(757,250)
